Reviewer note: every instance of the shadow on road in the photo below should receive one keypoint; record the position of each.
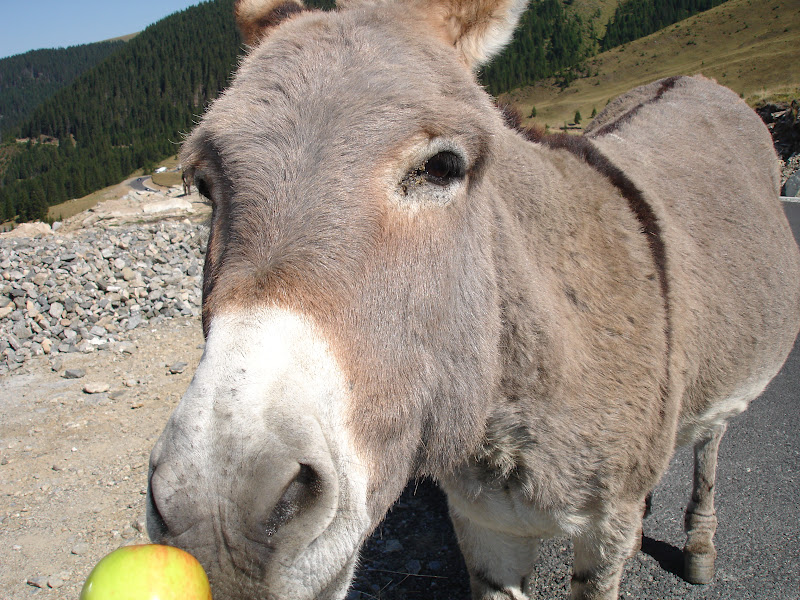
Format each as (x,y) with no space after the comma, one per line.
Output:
(666,555)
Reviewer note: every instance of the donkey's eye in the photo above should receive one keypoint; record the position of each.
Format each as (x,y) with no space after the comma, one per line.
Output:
(442,168)
(435,181)
(202,187)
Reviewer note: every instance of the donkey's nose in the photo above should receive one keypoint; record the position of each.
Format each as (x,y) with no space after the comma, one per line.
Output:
(278,499)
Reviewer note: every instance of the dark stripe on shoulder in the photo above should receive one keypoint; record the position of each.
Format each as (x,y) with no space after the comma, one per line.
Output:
(666,85)
(584,149)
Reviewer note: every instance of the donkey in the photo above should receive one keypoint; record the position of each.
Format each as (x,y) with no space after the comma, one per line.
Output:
(397,284)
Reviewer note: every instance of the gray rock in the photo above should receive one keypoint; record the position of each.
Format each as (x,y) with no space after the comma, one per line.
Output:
(58,297)
(392,546)
(96,387)
(792,186)
(80,549)
(74,374)
(13,342)
(414,567)
(126,348)
(134,322)
(22,331)
(38,581)
(178,367)
(140,524)
(98,331)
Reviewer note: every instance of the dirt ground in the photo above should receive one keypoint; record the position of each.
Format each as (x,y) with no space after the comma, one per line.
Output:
(73,465)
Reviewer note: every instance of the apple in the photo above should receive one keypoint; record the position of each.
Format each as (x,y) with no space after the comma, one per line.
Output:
(147,572)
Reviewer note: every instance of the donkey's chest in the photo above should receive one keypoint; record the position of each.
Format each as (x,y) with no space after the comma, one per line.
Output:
(511,510)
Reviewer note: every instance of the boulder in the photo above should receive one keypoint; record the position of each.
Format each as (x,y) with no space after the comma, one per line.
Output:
(792,186)
(29,230)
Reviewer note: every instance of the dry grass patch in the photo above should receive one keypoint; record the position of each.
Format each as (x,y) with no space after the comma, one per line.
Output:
(71,208)
(751,47)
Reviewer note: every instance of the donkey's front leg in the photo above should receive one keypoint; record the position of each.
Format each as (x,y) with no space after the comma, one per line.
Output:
(701,519)
(499,564)
(601,551)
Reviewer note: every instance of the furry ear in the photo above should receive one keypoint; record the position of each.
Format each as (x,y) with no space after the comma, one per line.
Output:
(479,29)
(256,17)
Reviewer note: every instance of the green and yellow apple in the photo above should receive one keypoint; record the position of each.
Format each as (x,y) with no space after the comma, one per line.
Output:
(147,572)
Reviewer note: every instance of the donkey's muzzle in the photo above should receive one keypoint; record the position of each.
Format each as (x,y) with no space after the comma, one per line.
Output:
(268,508)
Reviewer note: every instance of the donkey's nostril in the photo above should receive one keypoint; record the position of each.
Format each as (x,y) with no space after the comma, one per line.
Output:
(156,526)
(300,493)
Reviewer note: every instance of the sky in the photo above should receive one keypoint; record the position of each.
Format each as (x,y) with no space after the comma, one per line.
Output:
(33,24)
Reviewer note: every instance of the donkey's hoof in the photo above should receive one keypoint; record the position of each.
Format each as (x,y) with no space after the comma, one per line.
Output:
(698,568)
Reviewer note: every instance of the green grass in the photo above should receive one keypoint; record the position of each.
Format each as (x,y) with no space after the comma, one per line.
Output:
(751,46)
(168,179)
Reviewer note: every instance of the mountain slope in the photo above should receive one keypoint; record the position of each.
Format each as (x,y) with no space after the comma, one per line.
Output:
(27,80)
(128,112)
(124,114)
(752,48)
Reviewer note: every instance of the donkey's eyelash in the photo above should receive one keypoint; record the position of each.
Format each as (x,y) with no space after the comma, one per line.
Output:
(441,169)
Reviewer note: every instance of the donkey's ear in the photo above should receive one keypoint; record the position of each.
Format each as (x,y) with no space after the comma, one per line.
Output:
(256,17)
(479,29)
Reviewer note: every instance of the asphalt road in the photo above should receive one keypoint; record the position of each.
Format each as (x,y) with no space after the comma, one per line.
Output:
(757,501)
(138,184)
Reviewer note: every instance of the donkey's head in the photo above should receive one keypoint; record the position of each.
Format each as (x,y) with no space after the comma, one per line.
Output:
(350,306)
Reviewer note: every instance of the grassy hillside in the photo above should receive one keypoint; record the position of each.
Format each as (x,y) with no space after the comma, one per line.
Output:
(752,46)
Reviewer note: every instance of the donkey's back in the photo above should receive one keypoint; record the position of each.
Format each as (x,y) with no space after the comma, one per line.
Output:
(706,167)
(706,164)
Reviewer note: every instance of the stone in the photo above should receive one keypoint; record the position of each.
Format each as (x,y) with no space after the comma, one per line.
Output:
(126,348)
(140,524)
(56,310)
(74,374)
(178,367)
(98,331)
(13,342)
(80,295)
(80,549)
(392,546)
(791,188)
(413,566)
(38,581)
(95,387)
(22,331)
(134,322)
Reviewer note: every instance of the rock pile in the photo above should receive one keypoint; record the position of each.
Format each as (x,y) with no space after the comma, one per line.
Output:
(783,122)
(84,292)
